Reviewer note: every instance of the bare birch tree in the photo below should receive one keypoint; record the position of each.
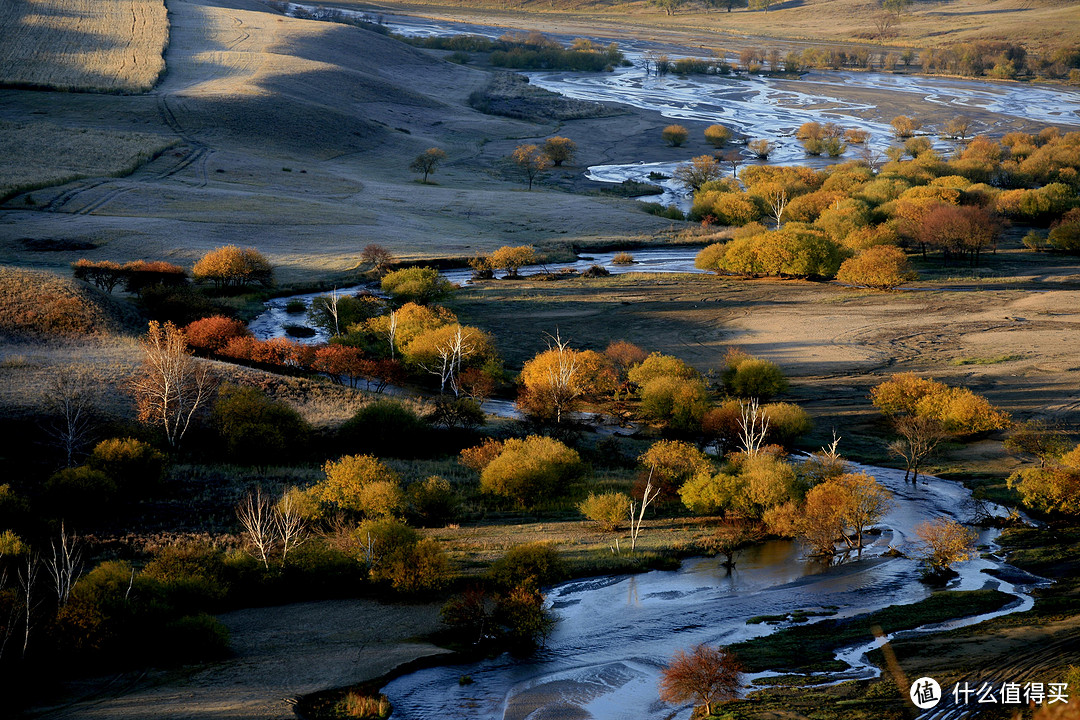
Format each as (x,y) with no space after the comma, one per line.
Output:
(753,426)
(70,396)
(639,509)
(450,355)
(391,333)
(290,523)
(777,198)
(258,519)
(28,574)
(172,385)
(65,566)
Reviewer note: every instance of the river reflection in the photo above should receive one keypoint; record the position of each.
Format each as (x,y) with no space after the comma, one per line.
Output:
(615,633)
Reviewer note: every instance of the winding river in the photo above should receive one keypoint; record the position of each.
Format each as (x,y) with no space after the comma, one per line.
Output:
(615,633)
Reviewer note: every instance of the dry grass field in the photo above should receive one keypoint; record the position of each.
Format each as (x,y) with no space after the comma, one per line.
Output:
(39,154)
(1038,24)
(99,45)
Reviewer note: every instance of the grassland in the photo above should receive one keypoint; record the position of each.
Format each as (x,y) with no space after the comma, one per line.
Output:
(1040,25)
(39,154)
(99,45)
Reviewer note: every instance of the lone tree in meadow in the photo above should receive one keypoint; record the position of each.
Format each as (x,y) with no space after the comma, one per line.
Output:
(707,675)
(560,150)
(531,160)
(378,257)
(427,162)
(231,266)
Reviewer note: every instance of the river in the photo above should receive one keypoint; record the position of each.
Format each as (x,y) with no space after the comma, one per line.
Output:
(272,322)
(615,633)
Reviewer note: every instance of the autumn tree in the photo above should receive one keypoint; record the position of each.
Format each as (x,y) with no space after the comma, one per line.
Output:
(867,502)
(717,135)
(214,333)
(134,466)
(560,150)
(416,284)
(942,543)
(959,230)
(378,257)
(882,267)
(343,364)
(1038,439)
(556,379)
(231,266)
(761,148)
(172,386)
(445,351)
(103,274)
(360,484)
(256,428)
(673,462)
(531,469)
(924,413)
(958,128)
(746,376)
(337,313)
(707,675)
(895,7)
(531,161)
(608,510)
(675,135)
(624,355)
(820,520)
(670,7)
(905,127)
(698,171)
(427,162)
(1054,487)
(512,258)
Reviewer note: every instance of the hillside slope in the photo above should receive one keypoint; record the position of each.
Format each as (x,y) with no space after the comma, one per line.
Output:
(295,137)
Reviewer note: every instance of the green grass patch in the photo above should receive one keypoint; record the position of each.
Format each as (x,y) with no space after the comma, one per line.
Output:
(811,648)
(1049,552)
(996,360)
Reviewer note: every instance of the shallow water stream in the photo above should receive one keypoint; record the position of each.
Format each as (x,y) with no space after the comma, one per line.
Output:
(614,633)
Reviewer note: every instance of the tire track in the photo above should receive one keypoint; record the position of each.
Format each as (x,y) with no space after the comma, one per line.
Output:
(241,38)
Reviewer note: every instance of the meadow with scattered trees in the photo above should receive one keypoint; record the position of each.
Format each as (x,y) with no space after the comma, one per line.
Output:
(415,442)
